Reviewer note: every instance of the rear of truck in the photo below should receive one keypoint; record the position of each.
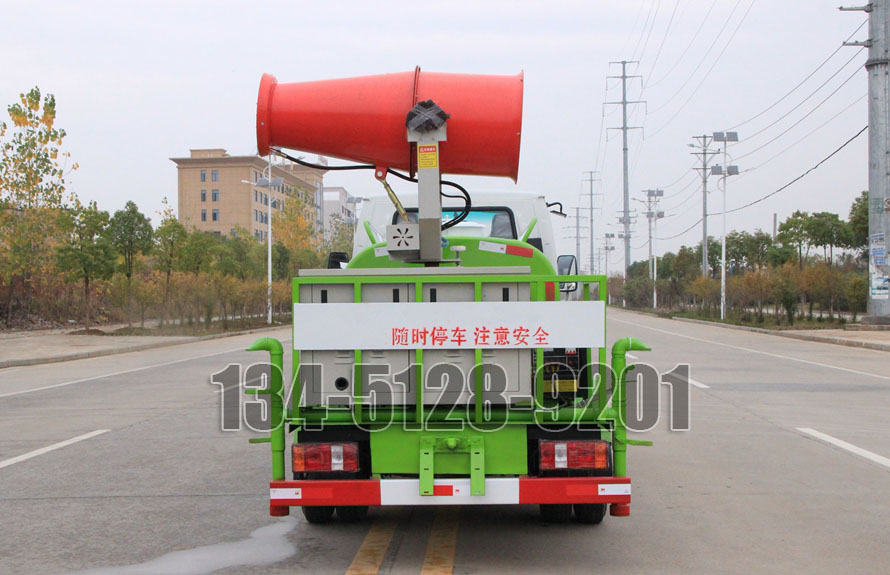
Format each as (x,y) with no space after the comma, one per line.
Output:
(445,368)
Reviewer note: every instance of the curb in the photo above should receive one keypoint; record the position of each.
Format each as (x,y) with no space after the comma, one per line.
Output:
(793,335)
(139,347)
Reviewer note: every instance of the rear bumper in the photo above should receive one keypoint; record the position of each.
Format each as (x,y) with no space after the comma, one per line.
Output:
(498,491)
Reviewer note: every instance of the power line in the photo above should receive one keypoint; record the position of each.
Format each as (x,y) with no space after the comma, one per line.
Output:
(693,194)
(663,40)
(686,187)
(691,206)
(801,139)
(807,115)
(813,93)
(783,188)
(702,61)
(655,4)
(708,73)
(634,27)
(685,50)
(802,176)
(802,82)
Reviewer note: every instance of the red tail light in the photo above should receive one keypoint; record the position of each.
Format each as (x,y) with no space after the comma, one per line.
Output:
(325,457)
(574,454)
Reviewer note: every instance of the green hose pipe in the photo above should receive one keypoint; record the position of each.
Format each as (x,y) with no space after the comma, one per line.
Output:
(276,401)
(619,402)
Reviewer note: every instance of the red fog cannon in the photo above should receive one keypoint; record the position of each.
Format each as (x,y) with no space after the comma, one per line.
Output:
(363,119)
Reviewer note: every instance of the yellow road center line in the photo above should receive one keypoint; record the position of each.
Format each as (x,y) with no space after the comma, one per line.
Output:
(439,559)
(370,555)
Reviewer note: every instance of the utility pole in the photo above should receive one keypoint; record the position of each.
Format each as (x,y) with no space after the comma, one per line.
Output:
(775,224)
(608,249)
(591,179)
(652,214)
(625,219)
(704,141)
(878,68)
(723,171)
(577,217)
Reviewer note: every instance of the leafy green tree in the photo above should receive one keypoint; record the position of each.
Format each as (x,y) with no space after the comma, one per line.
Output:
(756,247)
(199,252)
(858,220)
(637,291)
(793,231)
(638,269)
(676,273)
(240,255)
(281,262)
(169,239)
(87,253)
(779,255)
(131,236)
(737,251)
(32,191)
(826,230)
(786,289)
(713,256)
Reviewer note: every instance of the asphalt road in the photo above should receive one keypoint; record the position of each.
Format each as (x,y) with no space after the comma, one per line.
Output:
(164,491)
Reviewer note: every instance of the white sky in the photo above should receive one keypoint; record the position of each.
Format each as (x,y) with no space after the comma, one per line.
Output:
(138,83)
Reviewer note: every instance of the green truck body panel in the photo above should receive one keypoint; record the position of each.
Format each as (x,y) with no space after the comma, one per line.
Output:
(397,450)
(473,257)
(418,440)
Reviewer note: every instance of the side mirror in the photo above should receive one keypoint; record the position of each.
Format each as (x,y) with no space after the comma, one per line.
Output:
(337,260)
(567,265)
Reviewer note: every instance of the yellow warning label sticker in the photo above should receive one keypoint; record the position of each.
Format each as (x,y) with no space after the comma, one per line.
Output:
(427,157)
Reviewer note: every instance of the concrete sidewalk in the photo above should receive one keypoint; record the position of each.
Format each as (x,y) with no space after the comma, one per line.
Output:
(878,340)
(51,346)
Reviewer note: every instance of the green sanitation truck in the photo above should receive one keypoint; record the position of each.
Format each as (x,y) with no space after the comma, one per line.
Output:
(454,359)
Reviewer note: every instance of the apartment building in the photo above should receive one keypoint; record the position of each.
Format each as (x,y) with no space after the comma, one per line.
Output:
(216,191)
(339,202)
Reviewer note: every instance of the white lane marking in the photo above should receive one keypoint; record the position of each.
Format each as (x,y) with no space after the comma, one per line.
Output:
(135,369)
(879,459)
(776,355)
(95,377)
(48,448)
(699,384)
(632,356)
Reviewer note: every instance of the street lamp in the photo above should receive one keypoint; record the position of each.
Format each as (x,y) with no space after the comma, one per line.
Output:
(654,215)
(268,183)
(726,138)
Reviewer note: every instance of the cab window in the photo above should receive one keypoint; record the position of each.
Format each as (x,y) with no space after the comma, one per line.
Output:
(481,222)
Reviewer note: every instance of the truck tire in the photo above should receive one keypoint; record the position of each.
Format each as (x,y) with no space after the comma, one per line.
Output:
(590,513)
(318,514)
(352,513)
(556,512)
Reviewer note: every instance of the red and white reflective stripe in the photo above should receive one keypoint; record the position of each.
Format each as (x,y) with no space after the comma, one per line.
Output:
(498,491)
(575,490)
(506,249)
